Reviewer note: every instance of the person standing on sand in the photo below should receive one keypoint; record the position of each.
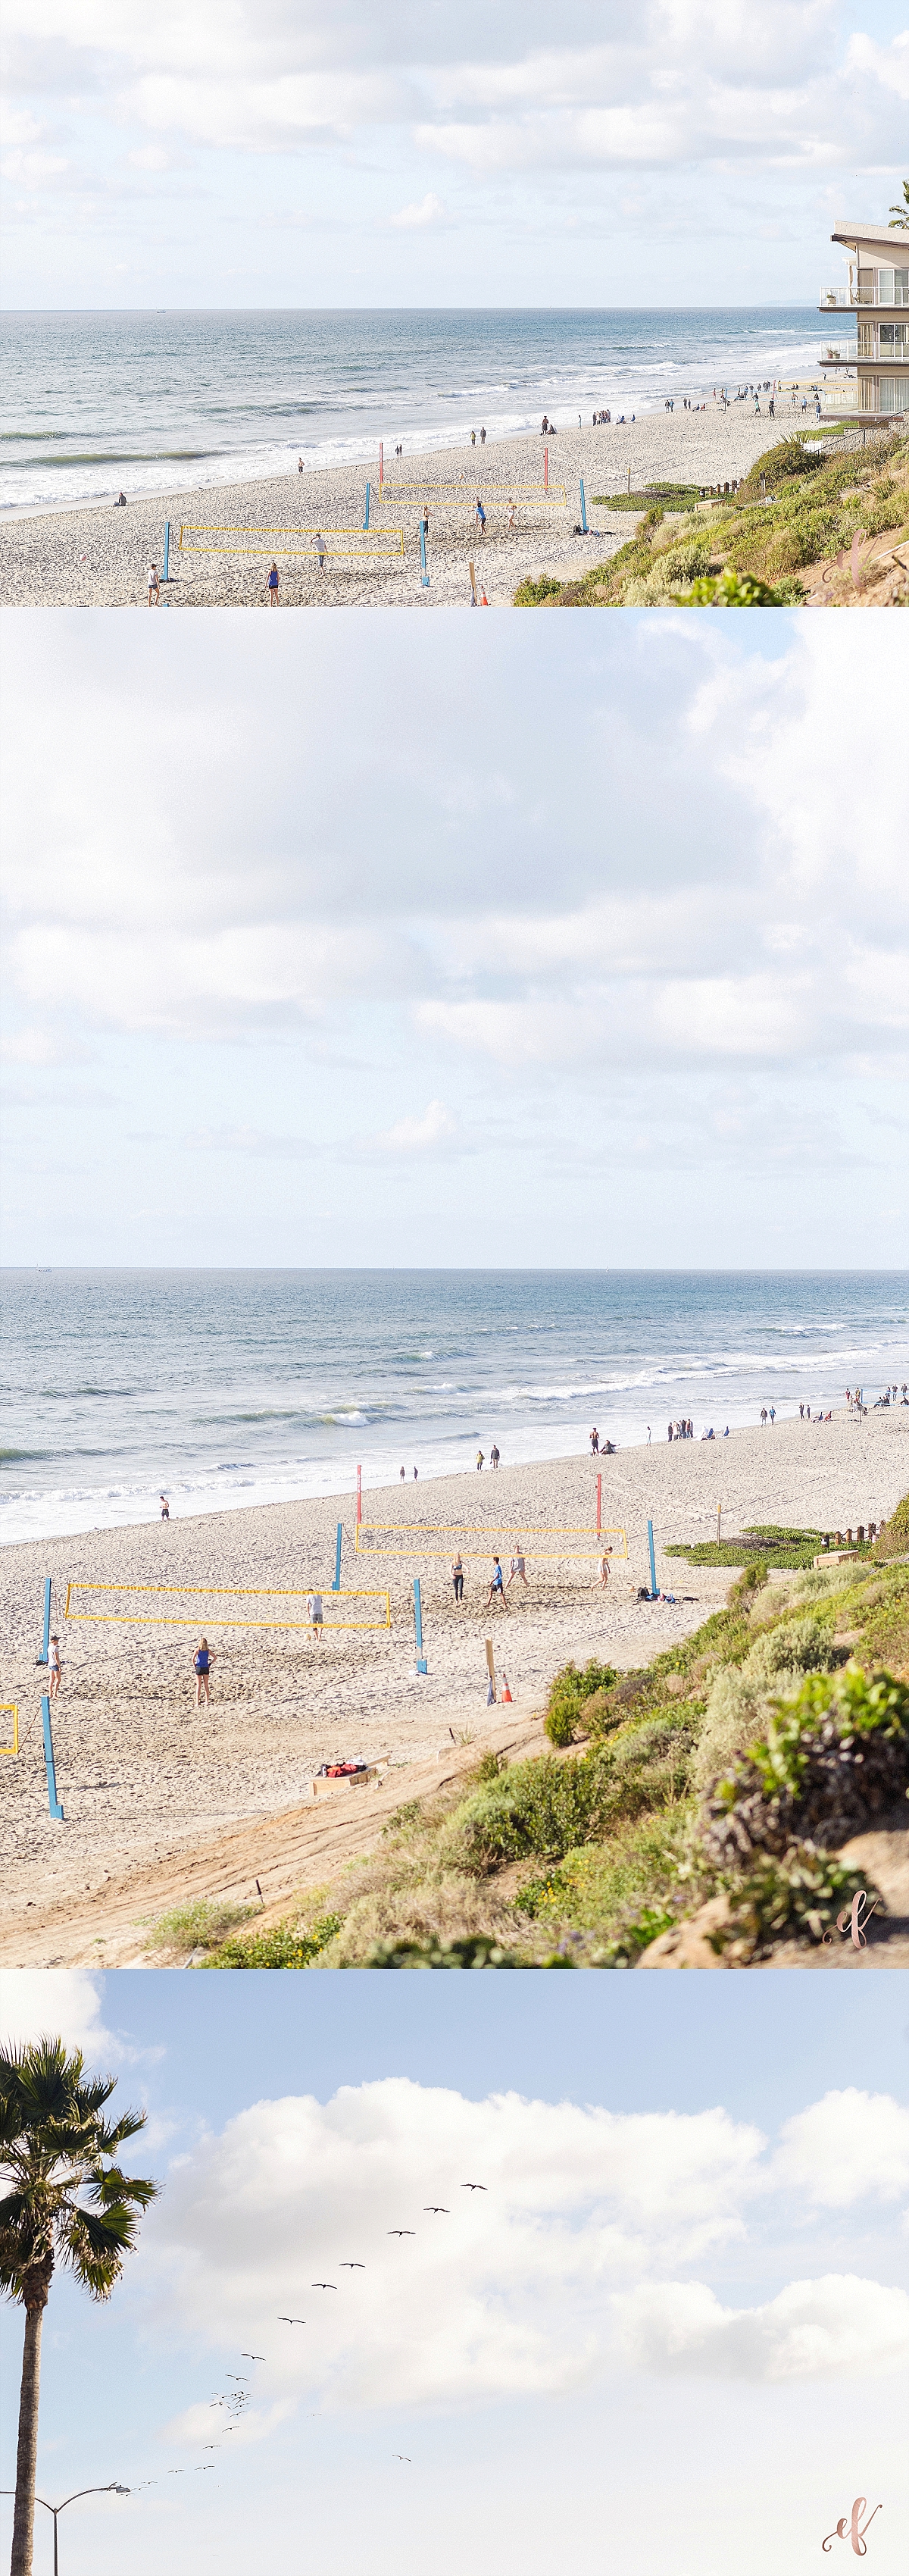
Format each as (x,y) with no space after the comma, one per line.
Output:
(402,1475)
(482,438)
(670,1431)
(517,1571)
(315,1616)
(604,1570)
(479,1461)
(497,1587)
(54,1667)
(648,1435)
(165,1508)
(595,1442)
(415,1475)
(203,1660)
(493,1456)
(272,586)
(154,587)
(480,518)
(457,1576)
(320,550)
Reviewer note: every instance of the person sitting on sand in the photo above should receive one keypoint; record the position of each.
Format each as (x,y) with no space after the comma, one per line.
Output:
(315,1615)
(54,1667)
(497,1587)
(273,585)
(517,1570)
(120,502)
(203,1660)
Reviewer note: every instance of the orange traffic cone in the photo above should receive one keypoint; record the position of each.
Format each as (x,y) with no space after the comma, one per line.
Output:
(506,1694)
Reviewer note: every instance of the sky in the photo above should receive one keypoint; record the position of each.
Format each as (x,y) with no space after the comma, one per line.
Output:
(586,947)
(279,153)
(674,2319)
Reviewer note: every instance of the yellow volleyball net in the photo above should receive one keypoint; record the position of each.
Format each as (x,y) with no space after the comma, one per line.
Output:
(129,1605)
(407,1539)
(463,496)
(334,544)
(10,1708)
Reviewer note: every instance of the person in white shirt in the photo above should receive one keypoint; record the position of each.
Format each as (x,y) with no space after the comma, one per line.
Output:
(154,587)
(54,1666)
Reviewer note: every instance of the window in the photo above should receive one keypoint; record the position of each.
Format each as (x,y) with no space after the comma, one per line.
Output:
(892,286)
(894,340)
(866,340)
(894,393)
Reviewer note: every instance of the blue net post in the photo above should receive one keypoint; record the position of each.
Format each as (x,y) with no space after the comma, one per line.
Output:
(45,1649)
(425,575)
(653,1580)
(418,1615)
(52,1798)
(336,1586)
(167,549)
(583,509)
(366,520)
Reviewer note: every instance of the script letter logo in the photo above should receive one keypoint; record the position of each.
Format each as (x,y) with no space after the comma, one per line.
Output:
(853,2524)
(854,1918)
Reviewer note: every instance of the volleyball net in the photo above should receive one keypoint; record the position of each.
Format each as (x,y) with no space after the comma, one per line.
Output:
(129,1605)
(464,496)
(350,544)
(545,1546)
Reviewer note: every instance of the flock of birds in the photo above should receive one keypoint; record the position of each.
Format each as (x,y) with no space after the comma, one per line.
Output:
(236,2398)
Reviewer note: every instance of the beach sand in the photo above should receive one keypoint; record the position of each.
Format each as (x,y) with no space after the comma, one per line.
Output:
(97,556)
(142,1775)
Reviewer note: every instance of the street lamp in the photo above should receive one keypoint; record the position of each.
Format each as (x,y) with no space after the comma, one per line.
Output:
(113,2489)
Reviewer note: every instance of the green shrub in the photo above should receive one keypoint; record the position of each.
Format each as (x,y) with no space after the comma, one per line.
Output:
(456,1954)
(198,1926)
(740,1702)
(797,1896)
(731,589)
(534,594)
(567,1696)
(489,1767)
(541,1806)
(288,1945)
(792,1548)
(860,1706)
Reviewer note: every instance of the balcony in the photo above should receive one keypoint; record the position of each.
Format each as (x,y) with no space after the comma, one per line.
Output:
(838,356)
(893,298)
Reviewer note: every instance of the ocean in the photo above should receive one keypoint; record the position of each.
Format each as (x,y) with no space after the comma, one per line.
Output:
(157,402)
(229,1387)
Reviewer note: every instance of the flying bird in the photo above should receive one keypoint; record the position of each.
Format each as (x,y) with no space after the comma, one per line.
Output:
(474,2186)
(252,2356)
(434,2208)
(323,2285)
(402,2455)
(402,2231)
(291,2321)
(351,2267)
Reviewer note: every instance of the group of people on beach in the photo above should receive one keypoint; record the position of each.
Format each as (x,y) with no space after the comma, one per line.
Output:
(499,1584)
(493,1458)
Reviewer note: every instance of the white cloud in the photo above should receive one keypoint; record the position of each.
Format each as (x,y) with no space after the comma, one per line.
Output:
(56,2003)
(429,211)
(418,1135)
(849,2144)
(833,2327)
(508,2292)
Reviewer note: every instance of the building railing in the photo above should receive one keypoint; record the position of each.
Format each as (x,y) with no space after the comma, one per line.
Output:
(860,298)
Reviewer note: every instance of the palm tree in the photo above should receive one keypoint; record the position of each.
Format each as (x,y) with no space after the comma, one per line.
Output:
(899,215)
(65,2202)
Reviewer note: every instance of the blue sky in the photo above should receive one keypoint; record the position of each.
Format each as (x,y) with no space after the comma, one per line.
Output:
(580,942)
(674,2315)
(689,152)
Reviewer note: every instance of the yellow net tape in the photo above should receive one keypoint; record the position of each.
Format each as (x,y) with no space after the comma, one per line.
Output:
(273,541)
(211,1592)
(414,1540)
(10,1708)
(498,496)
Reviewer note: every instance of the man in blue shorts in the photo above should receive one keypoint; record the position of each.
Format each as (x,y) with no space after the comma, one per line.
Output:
(497,1587)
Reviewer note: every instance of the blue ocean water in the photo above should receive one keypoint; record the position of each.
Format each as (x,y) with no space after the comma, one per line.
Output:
(157,402)
(244,1386)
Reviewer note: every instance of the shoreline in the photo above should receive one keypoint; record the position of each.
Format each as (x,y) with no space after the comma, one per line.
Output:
(95,555)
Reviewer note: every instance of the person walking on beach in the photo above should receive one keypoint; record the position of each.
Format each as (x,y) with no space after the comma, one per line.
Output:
(272,586)
(648,1435)
(479,1461)
(154,587)
(315,1615)
(473,438)
(300,465)
(165,1508)
(604,1569)
(764,1414)
(54,1667)
(497,1587)
(481,518)
(482,438)
(320,550)
(426,523)
(402,1475)
(415,1475)
(772,1415)
(595,1442)
(670,1431)
(203,1660)
(518,1569)
(512,517)
(494,1454)
(457,1576)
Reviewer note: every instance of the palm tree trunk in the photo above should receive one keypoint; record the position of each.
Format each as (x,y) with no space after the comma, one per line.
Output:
(36,2287)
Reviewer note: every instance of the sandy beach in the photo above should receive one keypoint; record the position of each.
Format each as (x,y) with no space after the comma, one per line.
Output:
(142,1774)
(97,556)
